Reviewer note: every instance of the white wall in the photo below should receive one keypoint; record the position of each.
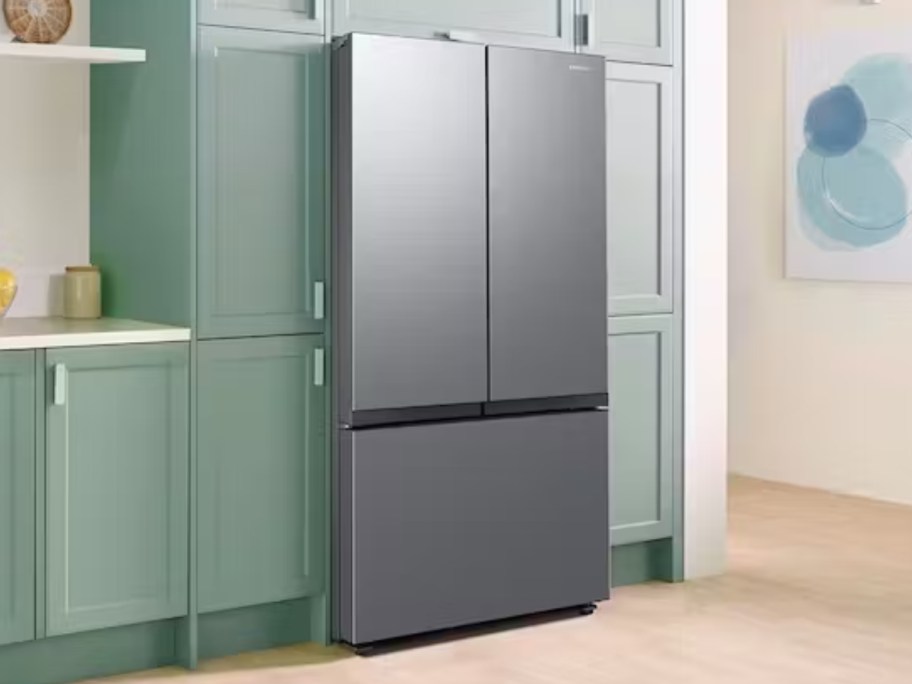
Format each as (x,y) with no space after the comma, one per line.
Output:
(821,372)
(44,171)
(705,287)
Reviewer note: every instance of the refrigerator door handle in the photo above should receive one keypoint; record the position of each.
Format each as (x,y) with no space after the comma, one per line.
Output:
(459,36)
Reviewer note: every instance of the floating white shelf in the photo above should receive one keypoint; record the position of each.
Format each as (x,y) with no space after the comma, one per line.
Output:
(84,54)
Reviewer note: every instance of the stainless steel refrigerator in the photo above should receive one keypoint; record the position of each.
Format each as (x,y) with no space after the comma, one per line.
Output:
(470,328)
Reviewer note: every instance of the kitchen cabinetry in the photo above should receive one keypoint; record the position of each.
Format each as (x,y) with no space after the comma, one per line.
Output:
(300,16)
(262,454)
(642,394)
(546,24)
(631,30)
(211,167)
(117,486)
(641,189)
(17,496)
(262,167)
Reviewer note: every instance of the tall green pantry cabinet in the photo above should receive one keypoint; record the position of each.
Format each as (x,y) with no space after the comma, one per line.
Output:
(209,172)
(642,43)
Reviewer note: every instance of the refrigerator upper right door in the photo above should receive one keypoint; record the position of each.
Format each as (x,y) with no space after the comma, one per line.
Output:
(547,225)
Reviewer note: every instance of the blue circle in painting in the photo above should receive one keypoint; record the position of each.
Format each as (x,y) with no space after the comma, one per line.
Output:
(858,199)
(865,189)
(835,122)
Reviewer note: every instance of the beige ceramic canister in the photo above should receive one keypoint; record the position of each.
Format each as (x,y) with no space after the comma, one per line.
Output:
(82,292)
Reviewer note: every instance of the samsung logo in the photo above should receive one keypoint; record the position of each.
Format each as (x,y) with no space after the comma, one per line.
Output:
(579,67)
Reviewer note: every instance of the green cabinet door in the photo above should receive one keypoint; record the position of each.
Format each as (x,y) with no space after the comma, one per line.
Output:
(17,496)
(546,24)
(642,31)
(299,16)
(641,382)
(262,168)
(262,471)
(117,494)
(640,192)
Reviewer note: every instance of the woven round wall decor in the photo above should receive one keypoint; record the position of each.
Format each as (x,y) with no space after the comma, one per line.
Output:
(38,21)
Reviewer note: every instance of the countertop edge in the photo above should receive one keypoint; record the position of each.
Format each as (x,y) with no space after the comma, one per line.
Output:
(94,339)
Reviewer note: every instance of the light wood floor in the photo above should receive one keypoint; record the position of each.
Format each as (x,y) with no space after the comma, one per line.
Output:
(819,590)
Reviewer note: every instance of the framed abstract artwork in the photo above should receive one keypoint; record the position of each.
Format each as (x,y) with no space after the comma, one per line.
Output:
(849,157)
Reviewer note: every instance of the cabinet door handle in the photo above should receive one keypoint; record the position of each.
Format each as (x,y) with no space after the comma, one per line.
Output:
(319,368)
(60,384)
(319,300)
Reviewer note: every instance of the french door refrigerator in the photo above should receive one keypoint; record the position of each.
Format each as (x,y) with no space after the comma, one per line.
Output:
(470,248)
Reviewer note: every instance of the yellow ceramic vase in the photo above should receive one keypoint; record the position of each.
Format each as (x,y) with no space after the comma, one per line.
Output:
(8,289)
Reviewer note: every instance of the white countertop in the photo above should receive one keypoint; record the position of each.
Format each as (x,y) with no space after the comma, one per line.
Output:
(48,333)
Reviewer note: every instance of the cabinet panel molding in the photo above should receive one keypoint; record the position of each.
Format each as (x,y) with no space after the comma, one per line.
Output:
(296,16)
(17,496)
(641,378)
(117,486)
(262,171)
(262,471)
(641,31)
(640,189)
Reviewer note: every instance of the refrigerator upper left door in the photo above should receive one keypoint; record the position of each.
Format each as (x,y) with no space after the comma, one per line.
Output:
(411,193)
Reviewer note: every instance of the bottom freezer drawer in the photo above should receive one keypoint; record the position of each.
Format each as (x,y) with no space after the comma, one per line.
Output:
(461,523)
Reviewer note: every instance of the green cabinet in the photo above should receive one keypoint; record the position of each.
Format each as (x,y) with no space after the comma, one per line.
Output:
(546,24)
(262,471)
(117,486)
(641,31)
(17,496)
(300,16)
(262,174)
(641,189)
(641,382)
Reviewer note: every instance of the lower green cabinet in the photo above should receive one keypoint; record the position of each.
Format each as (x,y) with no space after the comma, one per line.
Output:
(17,496)
(117,486)
(262,471)
(641,381)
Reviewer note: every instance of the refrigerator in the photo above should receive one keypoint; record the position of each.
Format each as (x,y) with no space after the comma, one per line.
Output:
(470,255)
